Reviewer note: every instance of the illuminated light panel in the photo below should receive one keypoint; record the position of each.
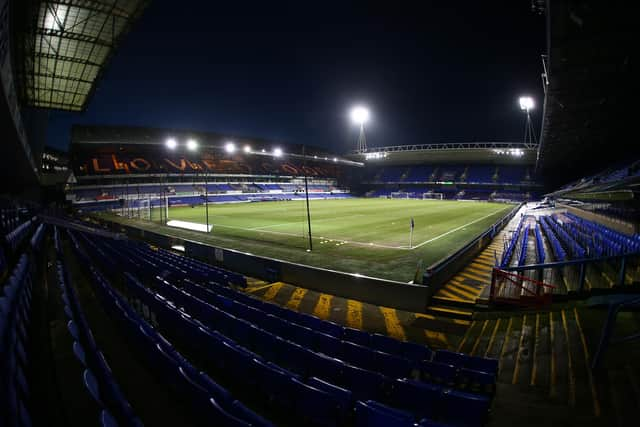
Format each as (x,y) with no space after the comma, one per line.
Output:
(193,226)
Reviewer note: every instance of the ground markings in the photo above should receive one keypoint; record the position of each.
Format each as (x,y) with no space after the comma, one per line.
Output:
(273,291)
(392,323)
(323,306)
(296,298)
(570,372)
(587,359)
(354,314)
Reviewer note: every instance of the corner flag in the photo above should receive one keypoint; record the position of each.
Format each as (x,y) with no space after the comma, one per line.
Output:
(411,226)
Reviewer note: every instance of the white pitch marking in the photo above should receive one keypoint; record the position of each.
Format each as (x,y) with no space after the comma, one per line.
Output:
(452,231)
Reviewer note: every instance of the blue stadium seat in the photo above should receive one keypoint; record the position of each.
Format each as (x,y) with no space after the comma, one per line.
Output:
(327,344)
(391,365)
(462,360)
(358,355)
(416,352)
(295,358)
(477,381)
(364,384)
(317,407)
(370,414)
(464,409)
(386,344)
(439,373)
(420,398)
(344,396)
(326,368)
(356,336)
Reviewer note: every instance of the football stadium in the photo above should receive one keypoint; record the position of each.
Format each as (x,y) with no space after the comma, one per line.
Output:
(156,271)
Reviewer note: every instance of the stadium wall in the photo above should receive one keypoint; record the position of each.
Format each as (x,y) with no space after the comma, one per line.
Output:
(372,290)
(438,274)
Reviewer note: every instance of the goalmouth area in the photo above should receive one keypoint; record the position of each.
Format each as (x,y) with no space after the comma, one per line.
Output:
(368,236)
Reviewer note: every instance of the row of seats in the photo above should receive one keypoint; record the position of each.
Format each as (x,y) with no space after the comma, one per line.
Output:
(15,307)
(568,242)
(296,357)
(323,388)
(103,399)
(511,246)
(278,318)
(297,354)
(539,245)
(15,237)
(557,249)
(522,259)
(209,402)
(611,241)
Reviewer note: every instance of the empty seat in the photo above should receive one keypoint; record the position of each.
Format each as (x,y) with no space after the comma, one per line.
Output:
(318,407)
(418,397)
(464,409)
(357,355)
(364,384)
(370,414)
(439,373)
(391,365)
(462,360)
(356,336)
(327,344)
(386,344)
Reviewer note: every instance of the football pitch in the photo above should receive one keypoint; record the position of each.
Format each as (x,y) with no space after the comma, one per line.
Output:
(365,236)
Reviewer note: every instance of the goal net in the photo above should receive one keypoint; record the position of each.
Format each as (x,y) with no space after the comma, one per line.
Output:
(430,195)
(399,195)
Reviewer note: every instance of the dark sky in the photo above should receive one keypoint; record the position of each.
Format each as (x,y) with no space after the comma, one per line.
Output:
(290,72)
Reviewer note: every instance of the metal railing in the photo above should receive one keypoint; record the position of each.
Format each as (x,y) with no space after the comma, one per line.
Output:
(513,288)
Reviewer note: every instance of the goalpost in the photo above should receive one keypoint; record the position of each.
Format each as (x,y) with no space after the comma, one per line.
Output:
(399,195)
(433,196)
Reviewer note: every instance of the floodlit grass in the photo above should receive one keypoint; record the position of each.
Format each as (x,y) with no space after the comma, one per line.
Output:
(366,236)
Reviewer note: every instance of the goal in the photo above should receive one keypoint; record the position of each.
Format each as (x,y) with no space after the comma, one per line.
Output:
(399,195)
(431,195)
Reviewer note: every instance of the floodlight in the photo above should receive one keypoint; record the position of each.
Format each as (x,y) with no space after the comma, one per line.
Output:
(230,147)
(526,103)
(335,159)
(247,149)
(192,145)
(277,152)
(359,115)
(263,150)
(171,144)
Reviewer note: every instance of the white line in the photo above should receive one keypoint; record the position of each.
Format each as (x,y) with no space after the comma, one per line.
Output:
(454,230)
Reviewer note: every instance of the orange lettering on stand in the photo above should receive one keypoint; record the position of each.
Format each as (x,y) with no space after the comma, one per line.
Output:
(182,167)
(140,164)
(97,168)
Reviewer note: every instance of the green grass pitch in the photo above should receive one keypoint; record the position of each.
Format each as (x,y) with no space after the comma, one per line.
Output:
(366,236)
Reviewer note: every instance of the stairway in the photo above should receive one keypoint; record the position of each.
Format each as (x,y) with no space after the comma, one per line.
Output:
(545,359)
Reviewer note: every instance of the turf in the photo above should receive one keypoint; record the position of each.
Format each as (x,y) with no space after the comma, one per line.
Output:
(366,236)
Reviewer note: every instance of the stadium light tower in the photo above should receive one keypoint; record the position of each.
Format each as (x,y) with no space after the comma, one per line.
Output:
(230,147)
(526,105)
(277,152)
(359,116)
(171,144)
(192,145)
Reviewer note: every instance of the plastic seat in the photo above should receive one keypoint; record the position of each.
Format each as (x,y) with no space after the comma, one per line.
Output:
(418,397)
(364,384)
(464,409)
(391,365)
(416,352)
(357,355)
(301,335)
(386,344)
(294,357)
(326,368)
(267,344)
(239,410)
(327,344)
(319,407)
(477,381)
(368,414)
(356,336)
(439,373)
(344,396)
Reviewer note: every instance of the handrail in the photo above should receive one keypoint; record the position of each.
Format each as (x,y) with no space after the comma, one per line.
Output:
(517,280)
(607,330)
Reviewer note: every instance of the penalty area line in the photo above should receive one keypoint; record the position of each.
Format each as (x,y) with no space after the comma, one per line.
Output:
(452,231)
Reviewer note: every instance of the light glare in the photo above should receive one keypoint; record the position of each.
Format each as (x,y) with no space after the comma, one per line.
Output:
(192,145)
(247,149)
(359,114)
(526,103)
(230,147)
(171,144)
(277,152)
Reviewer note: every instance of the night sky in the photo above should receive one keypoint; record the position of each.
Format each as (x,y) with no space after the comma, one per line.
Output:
(289,73)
